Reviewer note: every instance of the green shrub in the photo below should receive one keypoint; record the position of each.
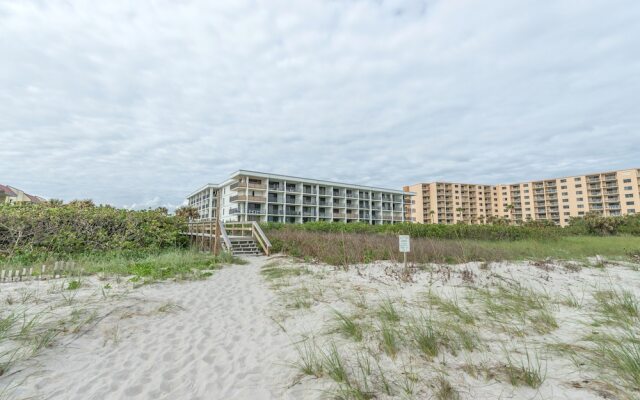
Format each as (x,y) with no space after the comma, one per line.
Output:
(35,231)
(436,231)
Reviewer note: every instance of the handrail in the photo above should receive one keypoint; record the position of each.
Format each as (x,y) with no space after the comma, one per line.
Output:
(266,246)
(225,237)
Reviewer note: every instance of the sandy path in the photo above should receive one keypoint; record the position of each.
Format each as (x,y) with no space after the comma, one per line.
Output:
(220,346)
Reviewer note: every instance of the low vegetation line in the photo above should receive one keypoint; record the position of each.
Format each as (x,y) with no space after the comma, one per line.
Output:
(342,248)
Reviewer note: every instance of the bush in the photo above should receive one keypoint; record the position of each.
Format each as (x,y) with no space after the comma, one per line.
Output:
(436,231)
(33,231)
(598,225)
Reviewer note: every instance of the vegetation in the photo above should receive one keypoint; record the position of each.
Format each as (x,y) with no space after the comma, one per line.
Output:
(341,248)
(33,232)
(590,225)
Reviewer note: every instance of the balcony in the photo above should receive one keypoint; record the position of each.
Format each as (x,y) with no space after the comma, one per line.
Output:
(339,215)
(309,202)
(245,185)
(292,189)
(255,212)
(250,199)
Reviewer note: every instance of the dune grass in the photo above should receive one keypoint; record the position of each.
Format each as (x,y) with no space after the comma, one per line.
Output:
(145,266)
(348,326)
(352,248)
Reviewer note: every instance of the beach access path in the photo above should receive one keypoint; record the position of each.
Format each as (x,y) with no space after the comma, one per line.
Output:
(219,343)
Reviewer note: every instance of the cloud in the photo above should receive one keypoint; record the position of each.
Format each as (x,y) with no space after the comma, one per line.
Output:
(137,103)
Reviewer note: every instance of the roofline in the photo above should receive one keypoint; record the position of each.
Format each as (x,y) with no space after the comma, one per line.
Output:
(527,181)
(207,186)
(316,181)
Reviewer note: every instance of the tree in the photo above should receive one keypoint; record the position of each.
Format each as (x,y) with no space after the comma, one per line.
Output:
(54,202)
(188,212)
(162,210)
(86,203)
(510,208)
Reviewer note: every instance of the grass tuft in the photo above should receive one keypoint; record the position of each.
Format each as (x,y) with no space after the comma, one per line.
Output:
(348,326)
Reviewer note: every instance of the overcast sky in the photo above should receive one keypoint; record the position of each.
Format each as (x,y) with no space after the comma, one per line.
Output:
(138,103)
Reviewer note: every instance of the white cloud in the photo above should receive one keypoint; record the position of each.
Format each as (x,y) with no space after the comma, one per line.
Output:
(129,101)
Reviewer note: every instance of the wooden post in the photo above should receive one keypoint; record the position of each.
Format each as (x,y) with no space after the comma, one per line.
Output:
(217,237)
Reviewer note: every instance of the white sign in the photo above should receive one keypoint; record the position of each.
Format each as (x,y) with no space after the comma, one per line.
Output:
(405,245)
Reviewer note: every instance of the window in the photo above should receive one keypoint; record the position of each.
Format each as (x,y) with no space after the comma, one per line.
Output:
(628,187)
(567,213)
(526,203)
(577,179)
(632,211)
(563,180)
(627,181)
(580,199)
(565,207)
(580,212)
(563,187)
(629,195)
(580,205)
(526,190)
(565,193)
(578,185)
(579,192)
(629,203)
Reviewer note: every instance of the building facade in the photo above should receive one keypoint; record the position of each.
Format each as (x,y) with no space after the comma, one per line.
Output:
(12,195)
(263,197)
(611,193)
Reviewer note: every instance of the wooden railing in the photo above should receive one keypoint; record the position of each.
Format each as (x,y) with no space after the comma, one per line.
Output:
(250,229)
(225,237)
(259,235)
(203,234)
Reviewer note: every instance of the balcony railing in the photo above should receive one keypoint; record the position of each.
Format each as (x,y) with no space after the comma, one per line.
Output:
(244,185)
(251,199)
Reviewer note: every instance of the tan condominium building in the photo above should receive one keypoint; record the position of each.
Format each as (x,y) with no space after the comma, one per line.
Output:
(262,197)
(611,193)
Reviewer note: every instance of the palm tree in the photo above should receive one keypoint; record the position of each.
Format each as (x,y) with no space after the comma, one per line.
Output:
(162,210)
(510,208)
(54,202)
(87,203)
(188,212)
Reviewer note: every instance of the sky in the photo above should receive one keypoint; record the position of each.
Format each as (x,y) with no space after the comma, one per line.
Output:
(138,103)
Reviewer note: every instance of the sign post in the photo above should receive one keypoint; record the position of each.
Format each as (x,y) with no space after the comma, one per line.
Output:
(405,246)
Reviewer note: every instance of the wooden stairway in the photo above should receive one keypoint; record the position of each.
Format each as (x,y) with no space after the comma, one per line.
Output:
(244,246)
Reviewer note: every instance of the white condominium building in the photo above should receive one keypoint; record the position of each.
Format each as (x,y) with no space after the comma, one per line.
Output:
(262,197)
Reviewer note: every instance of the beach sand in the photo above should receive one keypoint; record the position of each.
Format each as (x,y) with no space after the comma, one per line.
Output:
(237,333)
(217,344)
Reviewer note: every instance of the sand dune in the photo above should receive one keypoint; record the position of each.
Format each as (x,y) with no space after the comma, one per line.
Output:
(220,345)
